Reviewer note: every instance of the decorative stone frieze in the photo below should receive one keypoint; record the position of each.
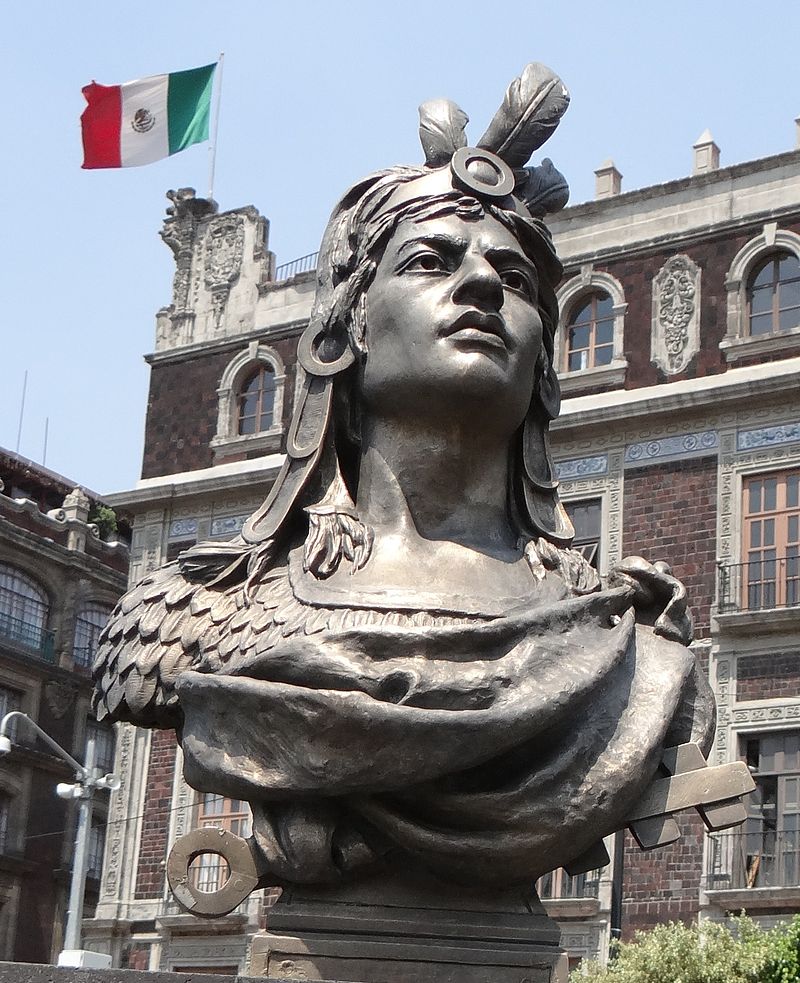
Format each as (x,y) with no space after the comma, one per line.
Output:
(786,433)
(675,334)
(674,447)
(581,467)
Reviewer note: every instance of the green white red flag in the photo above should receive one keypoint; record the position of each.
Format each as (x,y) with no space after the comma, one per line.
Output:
(141,122)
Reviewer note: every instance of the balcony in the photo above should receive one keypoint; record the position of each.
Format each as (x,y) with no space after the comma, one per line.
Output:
(303,264)
(28,635)
(754,870)
(761,593)
(564,896)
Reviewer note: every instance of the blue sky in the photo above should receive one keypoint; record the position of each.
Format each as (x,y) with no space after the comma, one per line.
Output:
(314,95)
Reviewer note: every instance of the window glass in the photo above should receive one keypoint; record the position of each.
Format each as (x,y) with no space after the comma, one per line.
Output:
(590,334)
(23,608)
(773,295)
(90,622)
(256,404)
(769,575)
(587,520)
(104,743)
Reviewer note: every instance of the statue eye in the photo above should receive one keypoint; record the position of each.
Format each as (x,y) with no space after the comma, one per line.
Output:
(517,280)
(427,262)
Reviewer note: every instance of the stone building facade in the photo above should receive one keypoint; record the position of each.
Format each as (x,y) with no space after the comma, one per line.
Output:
(59,581)
(679,439)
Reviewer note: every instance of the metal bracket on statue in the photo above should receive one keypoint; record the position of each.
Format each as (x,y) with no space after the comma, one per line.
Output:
(244,877)
(690,783)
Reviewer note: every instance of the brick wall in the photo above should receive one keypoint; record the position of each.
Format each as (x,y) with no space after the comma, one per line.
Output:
(713,255)
(662,885)
(670,514)
(768,677)
(155,825)
(182,408)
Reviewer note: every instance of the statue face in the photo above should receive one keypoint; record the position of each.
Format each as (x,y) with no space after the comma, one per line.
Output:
(452,323)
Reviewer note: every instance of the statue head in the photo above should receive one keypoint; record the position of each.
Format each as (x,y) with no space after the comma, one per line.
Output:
(458,186)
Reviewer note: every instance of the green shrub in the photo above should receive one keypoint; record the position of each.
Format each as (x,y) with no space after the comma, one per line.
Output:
(735,952)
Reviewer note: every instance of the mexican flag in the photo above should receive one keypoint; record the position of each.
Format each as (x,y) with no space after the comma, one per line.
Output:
(142,121)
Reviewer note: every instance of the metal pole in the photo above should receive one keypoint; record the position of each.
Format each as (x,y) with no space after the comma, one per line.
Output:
(212,150)
(22,408)
(44,452)
(80,771)
(72,936)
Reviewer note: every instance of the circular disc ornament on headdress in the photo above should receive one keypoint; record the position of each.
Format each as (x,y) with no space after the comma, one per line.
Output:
(482,172)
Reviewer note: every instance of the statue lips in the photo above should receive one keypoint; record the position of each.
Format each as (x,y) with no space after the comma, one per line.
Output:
(476,328)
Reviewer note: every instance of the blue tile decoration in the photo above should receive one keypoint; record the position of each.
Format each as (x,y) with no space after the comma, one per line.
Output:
(681,445)
(182,528)
(228,526)
(787,433)
(582,467)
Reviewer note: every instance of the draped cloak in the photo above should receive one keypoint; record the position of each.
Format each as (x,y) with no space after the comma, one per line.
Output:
(487,749)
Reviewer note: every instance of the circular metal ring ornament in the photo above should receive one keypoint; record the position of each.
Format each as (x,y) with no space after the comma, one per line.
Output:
(242,880)
(501,178)
(312,363)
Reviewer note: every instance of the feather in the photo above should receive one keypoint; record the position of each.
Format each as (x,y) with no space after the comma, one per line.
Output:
(227,646)
(441,130)
(179,591)
(532,108)
(193,628)
(131,599)
(171,627)
(149,657)
(150,622)
(222,609)
(544,189)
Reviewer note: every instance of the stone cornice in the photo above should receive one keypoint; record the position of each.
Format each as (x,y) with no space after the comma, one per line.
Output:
(23,539)
(589,209)
(237,475)
(735,385)
(206,348)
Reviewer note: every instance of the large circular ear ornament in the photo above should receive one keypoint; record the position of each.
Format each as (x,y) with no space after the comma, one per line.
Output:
(308,357)
(482,172)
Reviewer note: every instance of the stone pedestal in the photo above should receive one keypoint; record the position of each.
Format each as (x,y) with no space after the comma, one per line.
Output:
(409,929)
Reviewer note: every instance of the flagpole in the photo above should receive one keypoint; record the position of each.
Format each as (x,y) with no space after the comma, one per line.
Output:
(212,150)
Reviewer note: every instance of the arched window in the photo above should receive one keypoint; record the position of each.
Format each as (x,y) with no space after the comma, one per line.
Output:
(23,608)
(250,404)
(763,287)
(590,333)
(773,295)
(256,401)
(90,622)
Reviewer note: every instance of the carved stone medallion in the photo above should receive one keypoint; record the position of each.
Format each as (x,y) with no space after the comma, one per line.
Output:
(676,314)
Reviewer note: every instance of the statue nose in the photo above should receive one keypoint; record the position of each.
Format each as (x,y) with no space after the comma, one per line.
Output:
(479,284)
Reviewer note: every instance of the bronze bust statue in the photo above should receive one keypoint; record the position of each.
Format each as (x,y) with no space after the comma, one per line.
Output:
(401,660)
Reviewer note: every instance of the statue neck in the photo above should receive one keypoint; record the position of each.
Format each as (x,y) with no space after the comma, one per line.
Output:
(447,482)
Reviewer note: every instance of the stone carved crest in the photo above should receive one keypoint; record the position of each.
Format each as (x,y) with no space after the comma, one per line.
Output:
(676,314)
(60,697)
(224,247)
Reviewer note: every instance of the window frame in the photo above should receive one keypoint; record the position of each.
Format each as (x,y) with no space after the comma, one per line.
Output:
(738,343)
(570,294)
(259,374)
(92,633)
(766,588)
(227,440)
(770,259)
